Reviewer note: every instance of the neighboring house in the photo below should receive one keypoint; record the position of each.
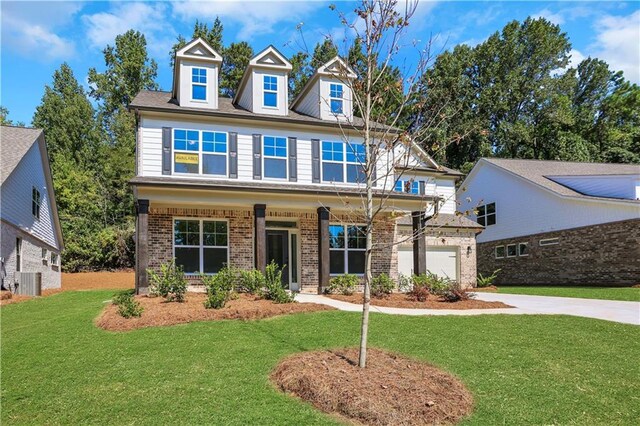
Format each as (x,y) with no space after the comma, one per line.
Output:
(31,233)
(552,222)
(259,178)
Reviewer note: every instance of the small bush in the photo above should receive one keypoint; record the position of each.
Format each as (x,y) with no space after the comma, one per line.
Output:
(419,289)
(429,283)
(405,283)
(343,284)
(219,287)
(456,293)
(169,283)
(252,282)
(127,306)
(483,281)
(382,286)
(273,283)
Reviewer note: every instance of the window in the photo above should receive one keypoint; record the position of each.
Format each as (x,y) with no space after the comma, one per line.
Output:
(549,242)
(335,98)
(487,214)
(270,96)
(523,249)
(499,252)
(347,246)
(408,186)
(356,159)
(511,250)
(54,259)
(336,165)
(18,254)
(45,258)
(188,156)
(35,203)
(199,84)
(200,245)
(275,157)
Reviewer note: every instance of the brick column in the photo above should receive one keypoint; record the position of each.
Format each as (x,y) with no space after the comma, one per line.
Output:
(259,214)
(419,243)
(142,246)
(323,248)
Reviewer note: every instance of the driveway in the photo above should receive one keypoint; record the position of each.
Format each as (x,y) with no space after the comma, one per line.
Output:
(610,310)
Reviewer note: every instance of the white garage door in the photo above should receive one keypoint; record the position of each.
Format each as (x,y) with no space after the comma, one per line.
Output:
(405,261)
(443,261)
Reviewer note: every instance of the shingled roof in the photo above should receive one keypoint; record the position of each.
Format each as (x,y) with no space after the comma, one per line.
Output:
(14,144)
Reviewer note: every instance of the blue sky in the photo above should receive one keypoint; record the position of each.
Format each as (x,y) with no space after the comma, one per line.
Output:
(38,36)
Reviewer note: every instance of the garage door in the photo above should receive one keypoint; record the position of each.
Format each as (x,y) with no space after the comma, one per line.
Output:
(405,260)
(443,261)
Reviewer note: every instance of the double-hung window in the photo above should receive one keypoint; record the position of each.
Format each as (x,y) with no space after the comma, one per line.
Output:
(275,157)
(54,259)
(332,161)
(408,186)
(356,160)
(35,202)
(193,148)
(336,100)
(487,214)
(347,247)
(200,246)
(214,153)
(270,95)
(199,84)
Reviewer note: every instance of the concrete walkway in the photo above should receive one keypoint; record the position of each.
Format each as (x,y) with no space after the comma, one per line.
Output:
(610,310)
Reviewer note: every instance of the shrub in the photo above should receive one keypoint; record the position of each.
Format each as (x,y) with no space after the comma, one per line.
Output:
(487,281)
(273,283)
(456,293)
(428,283)
(219,287)
(419,289)
(169,283)
(382,285)
(127,306)
(252,281)
(405,283)
(343,284)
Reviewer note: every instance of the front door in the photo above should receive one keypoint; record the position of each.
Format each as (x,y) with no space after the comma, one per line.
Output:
(278,251)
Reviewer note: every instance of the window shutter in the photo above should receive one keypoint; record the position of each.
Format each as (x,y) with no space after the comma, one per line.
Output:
(257,156)
(315,160)
(293,159)
(423,187)
(233,155)
(166,150)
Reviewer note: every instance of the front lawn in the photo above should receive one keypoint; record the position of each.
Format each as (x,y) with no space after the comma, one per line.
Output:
(57,367)
(605,293)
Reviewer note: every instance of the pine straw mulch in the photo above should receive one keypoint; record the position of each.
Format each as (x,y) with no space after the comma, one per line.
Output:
(391,390)
(487,289)
(99,280)
(158,313)
(8,298)
(402,300)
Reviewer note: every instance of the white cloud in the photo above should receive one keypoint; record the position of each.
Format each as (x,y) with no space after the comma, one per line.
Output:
(576,58)
(617,42)
(554,18)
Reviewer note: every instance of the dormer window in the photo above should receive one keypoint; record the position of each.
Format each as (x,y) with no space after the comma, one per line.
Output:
(199,84)
(270,97)
(335,98)
(275,157)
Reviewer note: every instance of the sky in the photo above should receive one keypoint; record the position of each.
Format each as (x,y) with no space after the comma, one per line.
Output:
(36,37)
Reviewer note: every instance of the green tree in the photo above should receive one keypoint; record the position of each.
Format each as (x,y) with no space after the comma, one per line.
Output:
(213,37)
(4,118)
(303,65)
(235,60)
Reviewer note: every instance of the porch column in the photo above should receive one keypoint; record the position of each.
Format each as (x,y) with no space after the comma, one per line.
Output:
(142,246)
(260,213)
(419,243)
(323,248)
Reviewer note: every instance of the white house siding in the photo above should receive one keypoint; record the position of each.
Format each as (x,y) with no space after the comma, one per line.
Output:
(16,198)
(257,88)
(246,97)
(523,208)
(325,106)
(310,104)
(603,186)
(185,84)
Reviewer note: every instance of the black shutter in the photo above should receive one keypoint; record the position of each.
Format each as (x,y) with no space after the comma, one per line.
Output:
(233,155)
(293,159)
(257,156)
(166,150)
(315,160)
(423,187)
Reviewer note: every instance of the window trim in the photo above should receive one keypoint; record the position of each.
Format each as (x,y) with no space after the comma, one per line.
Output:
(549,241)
(515,246)
(495,252)
(345,162)
(285,158)
(486,215)
(334,98)
(36,202)
(519,252)
(200,153)
(205,84)
(18,254)
(55,257)
(415,185)
(201,246)
(346,249)
(265,91)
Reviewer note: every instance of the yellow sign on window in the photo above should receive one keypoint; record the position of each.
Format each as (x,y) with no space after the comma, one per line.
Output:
(187,158)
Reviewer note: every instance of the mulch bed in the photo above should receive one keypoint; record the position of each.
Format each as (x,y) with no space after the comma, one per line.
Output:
(158,313)
(391,390)
(487,289)
(8,298)
(98,280)
(401,300)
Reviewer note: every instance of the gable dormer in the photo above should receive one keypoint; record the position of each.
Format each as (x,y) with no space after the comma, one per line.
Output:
(327,95)
(263,88)
(195,76)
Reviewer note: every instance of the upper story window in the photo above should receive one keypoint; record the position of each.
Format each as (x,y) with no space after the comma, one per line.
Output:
(270,96)
(487,214)
(340,160)
(275,157)
(336,98)
(35,203)
(200,152)
(347,246)
(408,186)
(199,84)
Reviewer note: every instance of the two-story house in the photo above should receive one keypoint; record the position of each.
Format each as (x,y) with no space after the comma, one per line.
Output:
(31,232)
(261,177)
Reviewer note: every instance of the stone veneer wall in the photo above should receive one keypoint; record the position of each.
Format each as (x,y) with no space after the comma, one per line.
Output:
(605,254)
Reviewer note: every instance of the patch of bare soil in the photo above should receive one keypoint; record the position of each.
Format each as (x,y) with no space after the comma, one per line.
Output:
(487,289)
(8,298)
(401,300)
(103,280)
(391,390)
(157,312)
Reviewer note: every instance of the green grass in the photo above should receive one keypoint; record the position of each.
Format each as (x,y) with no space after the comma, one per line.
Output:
(58,368)
(605,293)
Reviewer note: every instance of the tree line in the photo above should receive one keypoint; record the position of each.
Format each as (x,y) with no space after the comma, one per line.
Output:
(513,95)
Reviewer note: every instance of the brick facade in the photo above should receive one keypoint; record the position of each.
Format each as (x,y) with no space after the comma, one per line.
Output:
(604,254)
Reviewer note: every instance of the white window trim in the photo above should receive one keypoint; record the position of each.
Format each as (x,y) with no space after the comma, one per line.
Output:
(55,258)
(206,86)
(19,243)
(346,249)
(200,153)
(519,253)
(201,246)
(285,158)
(345,163)
(486,215)
(37,200)
(495,252)
(404,182)
(332,98)
(507,250)
(549,242)
(270,91)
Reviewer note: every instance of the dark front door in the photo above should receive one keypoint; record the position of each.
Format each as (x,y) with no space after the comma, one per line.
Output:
(278,251)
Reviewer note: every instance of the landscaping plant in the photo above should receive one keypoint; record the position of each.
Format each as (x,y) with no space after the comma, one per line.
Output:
(456,293)
(169,283)
(273,283)
(483,281)
(382,286)
(252,281)
(219,287)
(127,306)
(343,284)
